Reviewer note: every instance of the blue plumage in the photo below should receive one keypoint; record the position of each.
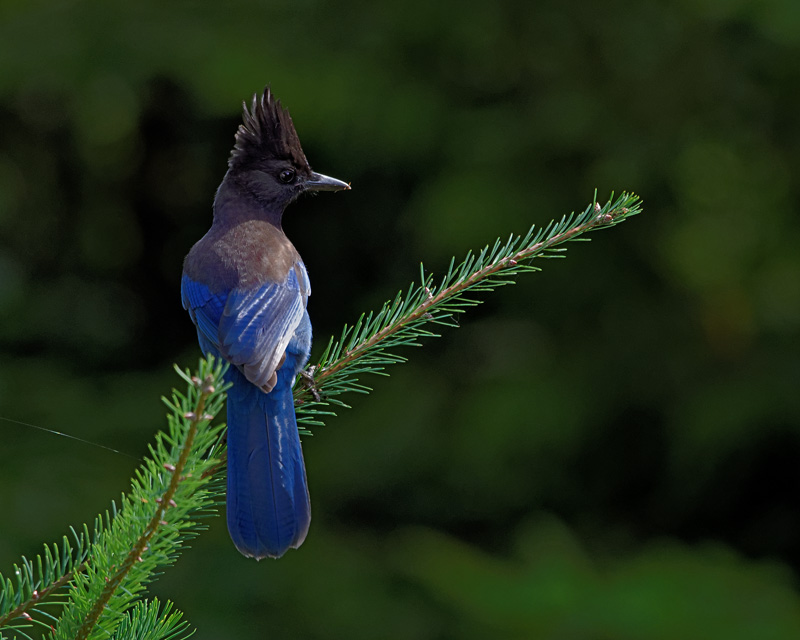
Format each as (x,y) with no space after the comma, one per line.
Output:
(246,289)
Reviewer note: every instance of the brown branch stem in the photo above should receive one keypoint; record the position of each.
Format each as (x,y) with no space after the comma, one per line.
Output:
(39,596)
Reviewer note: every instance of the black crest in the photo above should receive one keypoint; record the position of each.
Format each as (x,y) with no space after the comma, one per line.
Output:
(267,132)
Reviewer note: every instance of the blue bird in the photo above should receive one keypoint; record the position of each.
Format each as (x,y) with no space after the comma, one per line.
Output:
(246,288)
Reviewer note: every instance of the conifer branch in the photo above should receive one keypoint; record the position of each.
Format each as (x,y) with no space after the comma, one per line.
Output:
(40,582)
(164,502)
(150,621)
(169,493)
(367,347)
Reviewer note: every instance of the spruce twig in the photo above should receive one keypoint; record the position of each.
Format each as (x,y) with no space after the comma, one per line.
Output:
(40,583)
(165,501)
(107,572)
(367,346)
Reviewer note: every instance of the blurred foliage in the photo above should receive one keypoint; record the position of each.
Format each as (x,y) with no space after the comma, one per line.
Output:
(607,450)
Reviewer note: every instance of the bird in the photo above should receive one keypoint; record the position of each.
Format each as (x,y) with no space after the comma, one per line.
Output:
(246,289)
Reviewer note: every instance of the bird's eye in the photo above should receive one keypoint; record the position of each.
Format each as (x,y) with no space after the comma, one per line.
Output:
(287,176)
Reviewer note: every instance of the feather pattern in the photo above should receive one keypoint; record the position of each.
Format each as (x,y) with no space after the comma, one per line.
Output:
(257,325)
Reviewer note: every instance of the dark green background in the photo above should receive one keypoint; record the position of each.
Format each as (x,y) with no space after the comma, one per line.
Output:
(608,450)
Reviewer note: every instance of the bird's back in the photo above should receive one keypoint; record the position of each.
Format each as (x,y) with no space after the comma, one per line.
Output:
(241,256)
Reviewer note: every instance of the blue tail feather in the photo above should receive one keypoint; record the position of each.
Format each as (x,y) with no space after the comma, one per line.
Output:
(268,503)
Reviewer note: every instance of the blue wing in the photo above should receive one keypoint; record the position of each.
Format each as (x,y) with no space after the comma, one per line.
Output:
(251,328)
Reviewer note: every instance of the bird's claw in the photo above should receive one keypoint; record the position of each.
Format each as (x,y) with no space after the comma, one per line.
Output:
(311,385)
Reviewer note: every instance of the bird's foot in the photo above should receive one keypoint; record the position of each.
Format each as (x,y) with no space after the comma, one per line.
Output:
(311,385)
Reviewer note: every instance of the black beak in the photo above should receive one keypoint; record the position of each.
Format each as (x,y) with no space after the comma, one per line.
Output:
(319,182)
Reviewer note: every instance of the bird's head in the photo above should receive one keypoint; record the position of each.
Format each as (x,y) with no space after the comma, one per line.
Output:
(267,158)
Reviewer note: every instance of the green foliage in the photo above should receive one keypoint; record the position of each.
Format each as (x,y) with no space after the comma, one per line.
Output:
(38,583)
(368,346)
(170,495)
(150,621)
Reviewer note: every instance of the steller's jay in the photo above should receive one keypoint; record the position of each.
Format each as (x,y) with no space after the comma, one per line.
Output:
(245,288)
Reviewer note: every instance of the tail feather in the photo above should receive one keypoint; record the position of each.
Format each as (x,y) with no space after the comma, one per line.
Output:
(268,503)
